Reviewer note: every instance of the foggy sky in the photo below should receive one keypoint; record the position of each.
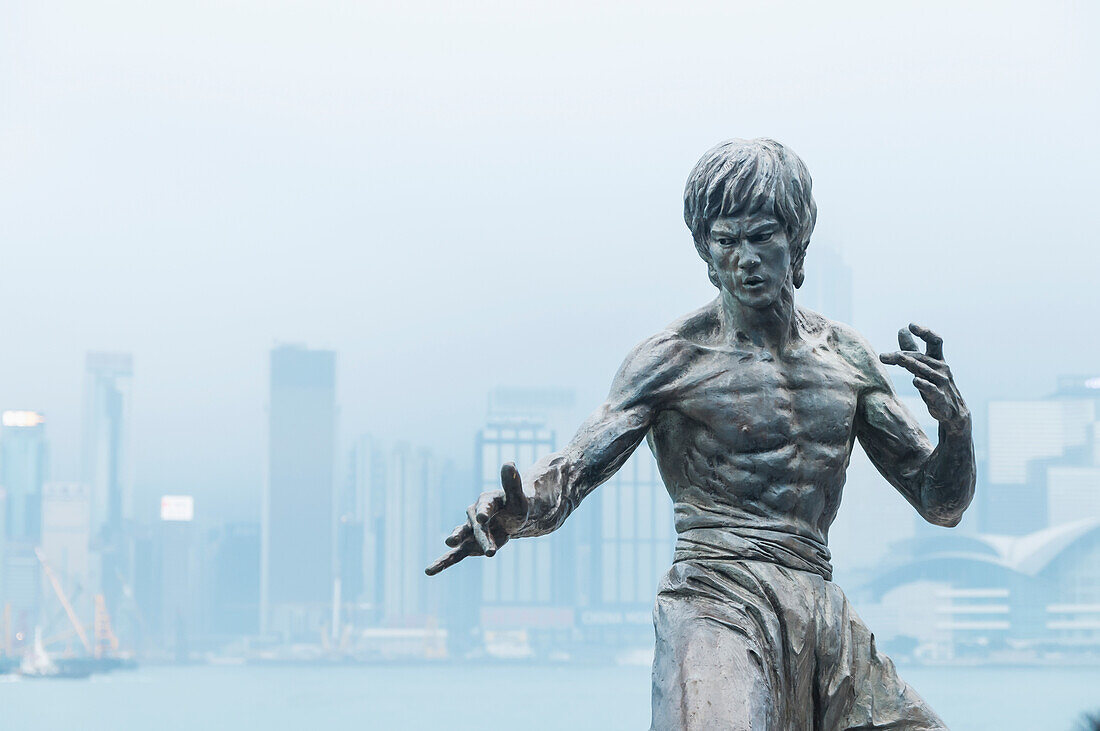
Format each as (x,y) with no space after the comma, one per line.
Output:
(455,198)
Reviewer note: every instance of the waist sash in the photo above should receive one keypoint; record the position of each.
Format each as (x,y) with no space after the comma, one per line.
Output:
(754,544)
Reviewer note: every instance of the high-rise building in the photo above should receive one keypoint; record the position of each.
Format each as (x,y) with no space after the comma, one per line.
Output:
(636,534)
(179,603)
(410,531)
(23,466)
(233,581)
(66,526)
(522,573)
(1031,443)
(106,453)
(107,467)
(1073,493)
(392,529)
(624,546)
(298,569)
(364,506)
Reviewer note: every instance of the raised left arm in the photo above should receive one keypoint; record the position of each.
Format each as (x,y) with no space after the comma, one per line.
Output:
(938,482)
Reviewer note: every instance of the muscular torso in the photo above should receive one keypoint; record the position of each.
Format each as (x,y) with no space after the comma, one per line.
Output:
(748,437)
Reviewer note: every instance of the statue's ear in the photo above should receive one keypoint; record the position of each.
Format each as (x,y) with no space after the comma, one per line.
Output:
(798,271)
(713,275)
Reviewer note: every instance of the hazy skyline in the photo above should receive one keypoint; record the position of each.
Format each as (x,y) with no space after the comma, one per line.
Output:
(455,200)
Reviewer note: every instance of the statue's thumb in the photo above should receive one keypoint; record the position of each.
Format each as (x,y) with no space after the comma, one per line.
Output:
(514,499)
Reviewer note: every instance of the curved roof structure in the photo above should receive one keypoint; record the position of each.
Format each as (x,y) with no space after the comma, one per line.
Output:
(1025,555)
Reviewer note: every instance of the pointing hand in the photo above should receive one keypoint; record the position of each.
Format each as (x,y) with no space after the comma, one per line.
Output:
(490,522)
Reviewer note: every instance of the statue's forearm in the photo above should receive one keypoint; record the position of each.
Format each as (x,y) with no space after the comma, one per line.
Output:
(558,482)
(948,480)
(553,492)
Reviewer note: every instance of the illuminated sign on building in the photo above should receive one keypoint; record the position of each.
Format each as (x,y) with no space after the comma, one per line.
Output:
(179,508)
(23,418)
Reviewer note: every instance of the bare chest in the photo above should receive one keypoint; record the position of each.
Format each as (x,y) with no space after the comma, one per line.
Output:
(753,402)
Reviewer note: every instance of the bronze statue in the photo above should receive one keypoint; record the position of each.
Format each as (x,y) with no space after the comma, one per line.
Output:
(752,406)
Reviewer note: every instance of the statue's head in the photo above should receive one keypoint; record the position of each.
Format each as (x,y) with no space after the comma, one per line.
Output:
(751,212)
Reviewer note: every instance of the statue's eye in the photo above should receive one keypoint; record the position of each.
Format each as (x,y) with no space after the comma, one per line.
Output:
(725,242)
(761,237)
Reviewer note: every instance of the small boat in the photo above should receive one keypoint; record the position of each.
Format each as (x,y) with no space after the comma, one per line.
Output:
(38,664)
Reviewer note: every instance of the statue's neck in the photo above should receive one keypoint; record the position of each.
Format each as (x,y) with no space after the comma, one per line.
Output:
(771,327)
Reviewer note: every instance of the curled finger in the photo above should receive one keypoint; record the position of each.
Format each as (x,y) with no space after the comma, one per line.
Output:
(458,535)
(487,505)
(481,535)
(906,341)
(934,341)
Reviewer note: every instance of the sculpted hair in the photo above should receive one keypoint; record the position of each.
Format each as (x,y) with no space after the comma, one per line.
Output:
(746,176)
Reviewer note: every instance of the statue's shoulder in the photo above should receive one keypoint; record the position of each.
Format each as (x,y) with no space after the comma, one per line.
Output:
(699,327)
(844,339)
(655,365)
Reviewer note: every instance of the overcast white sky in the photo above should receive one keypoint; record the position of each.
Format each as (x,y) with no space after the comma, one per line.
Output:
(460,195)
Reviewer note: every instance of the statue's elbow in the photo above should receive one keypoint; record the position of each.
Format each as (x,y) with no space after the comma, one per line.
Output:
(946,521)
(949,515)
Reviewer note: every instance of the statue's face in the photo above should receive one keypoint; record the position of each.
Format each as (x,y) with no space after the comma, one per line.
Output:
(751,257)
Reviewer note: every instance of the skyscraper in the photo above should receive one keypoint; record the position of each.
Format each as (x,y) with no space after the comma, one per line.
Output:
(1030,445)
(233,580)
(66,522)
(23,465)
(397,520)
(364,505)
(178,574)
(106,463)
(106,466)
(299,507)
(410,531)
(626,539)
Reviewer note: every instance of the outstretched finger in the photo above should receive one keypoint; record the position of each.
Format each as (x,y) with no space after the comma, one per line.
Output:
(914,366)
(934,341)
(458,535)
(450,558)
(906,341)
(481,536)
(514,498)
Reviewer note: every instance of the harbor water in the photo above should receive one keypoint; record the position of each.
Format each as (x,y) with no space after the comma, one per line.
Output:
(457,697)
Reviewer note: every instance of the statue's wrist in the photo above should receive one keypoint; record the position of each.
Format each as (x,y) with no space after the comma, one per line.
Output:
(959,426)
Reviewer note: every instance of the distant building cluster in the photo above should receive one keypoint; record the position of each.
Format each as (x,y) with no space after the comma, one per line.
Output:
(66,549)
(1021,579)
(333,570)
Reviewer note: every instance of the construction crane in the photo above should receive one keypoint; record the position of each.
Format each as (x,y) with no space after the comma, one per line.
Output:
(105,638)
(73,619)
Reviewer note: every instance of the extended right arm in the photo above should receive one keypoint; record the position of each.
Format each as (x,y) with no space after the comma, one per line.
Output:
(541,501)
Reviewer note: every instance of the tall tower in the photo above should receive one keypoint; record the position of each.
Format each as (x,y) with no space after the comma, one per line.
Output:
(106,464)
(22,471)
(299,511)
(23,464)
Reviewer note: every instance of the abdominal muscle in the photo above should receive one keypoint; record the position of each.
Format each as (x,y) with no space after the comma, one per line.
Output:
(793,489)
